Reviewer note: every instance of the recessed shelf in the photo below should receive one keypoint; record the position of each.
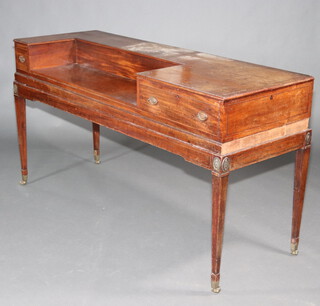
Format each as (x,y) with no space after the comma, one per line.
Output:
(101,69)
(95,80)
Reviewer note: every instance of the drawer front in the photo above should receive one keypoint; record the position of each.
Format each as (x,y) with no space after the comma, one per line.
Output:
(22,58)
(178,107)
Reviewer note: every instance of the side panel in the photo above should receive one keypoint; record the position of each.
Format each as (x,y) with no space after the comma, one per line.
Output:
(22,57)
(265,111)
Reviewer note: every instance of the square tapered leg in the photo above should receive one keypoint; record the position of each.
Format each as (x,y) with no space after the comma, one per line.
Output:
(219,196)
(20,106)
(96,142)
(300,180)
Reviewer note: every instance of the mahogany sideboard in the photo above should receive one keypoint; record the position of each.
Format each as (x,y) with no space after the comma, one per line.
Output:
(218,113)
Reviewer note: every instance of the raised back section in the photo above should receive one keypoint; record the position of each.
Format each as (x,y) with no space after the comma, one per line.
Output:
(44,54)
(75,51)
(116,61)
(52,54)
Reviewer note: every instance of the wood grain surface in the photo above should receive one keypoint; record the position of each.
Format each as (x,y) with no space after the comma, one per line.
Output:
(218,113)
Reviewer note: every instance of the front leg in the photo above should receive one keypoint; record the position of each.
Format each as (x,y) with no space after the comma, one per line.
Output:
(300,179)
(219,195)
(96,142)
(20,105)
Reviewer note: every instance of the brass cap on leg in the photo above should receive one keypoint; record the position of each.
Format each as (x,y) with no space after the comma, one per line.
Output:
(294,248)
(215,288)
(24,179)
(96,157)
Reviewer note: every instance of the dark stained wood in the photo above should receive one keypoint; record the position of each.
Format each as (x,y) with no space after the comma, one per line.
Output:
(186,145)
(300,180)
(217,113)
(106,105)
(20,106)
(210,74)
(219,197)
(255,99)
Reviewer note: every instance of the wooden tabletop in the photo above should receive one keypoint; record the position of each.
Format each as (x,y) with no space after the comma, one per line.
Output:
(214,75)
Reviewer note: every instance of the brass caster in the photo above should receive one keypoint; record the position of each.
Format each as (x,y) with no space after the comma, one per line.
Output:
(96,157)
(294,249)
(215,288)
(24,179)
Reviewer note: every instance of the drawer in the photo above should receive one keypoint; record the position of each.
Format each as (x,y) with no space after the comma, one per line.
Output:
(22,58)
(178,107)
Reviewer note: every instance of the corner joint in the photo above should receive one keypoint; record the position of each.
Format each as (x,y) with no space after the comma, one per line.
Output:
(221,165)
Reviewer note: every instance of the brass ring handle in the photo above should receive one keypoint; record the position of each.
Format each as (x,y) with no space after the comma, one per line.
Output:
(22,59)
(153,100)
(202,116)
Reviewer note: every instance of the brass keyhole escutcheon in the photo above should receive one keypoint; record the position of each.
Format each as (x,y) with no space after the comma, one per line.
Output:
(153,100)
(22,59)
(202,116)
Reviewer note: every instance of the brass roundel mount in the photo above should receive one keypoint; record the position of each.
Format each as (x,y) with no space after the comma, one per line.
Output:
(308,139)
(225,164)
(217,164)
(15,89)
(221,165)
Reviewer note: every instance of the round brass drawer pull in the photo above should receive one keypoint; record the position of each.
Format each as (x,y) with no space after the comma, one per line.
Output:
(153,100)
(22,59)
(202,116)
